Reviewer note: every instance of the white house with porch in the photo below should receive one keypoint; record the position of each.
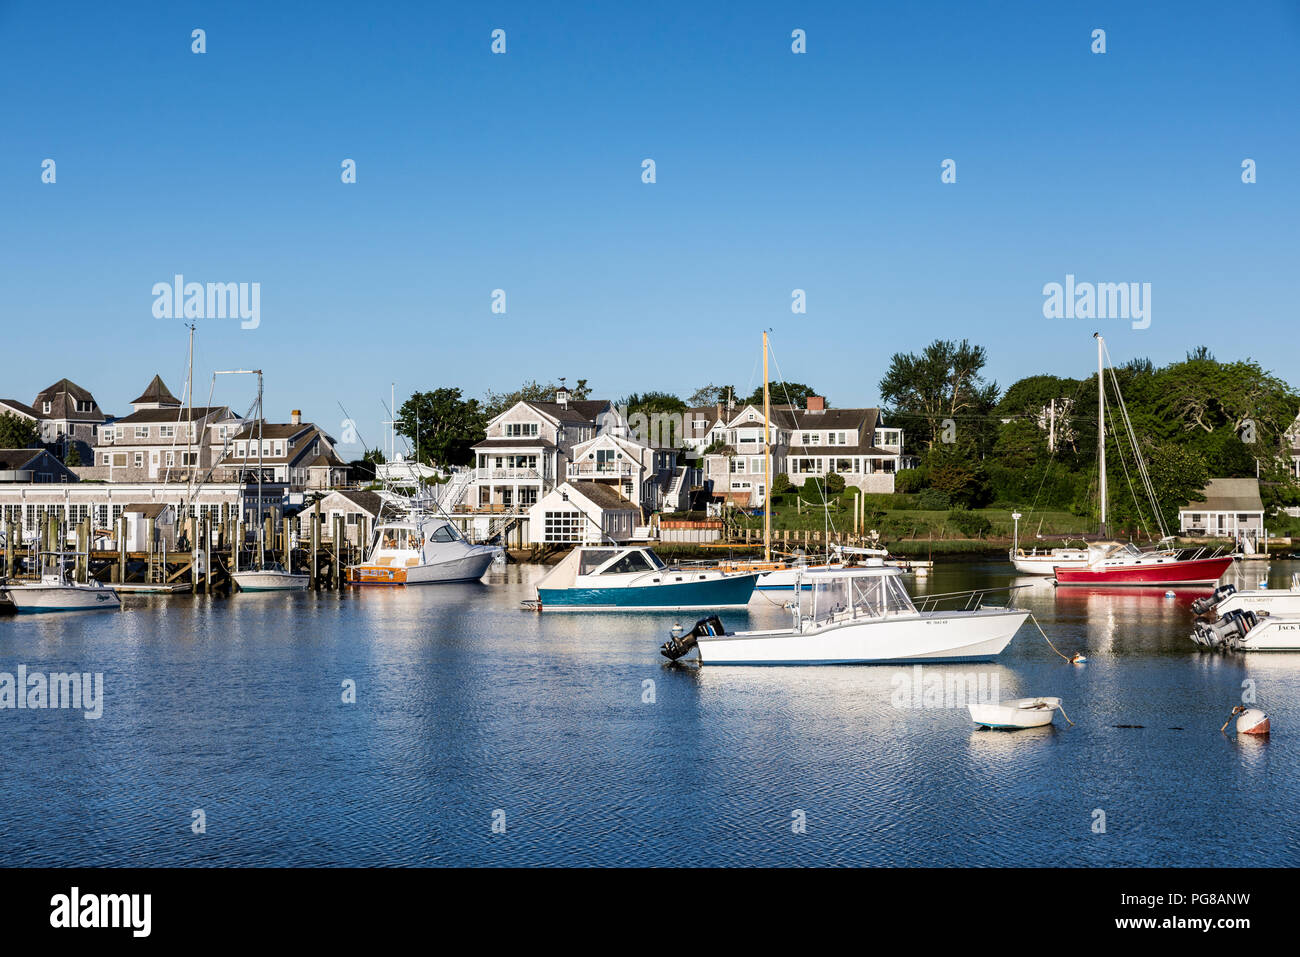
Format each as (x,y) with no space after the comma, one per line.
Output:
(806,443)
(1232,509)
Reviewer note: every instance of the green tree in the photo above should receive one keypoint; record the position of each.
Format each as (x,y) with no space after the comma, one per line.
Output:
(494,403)
(782,393)
(17,432)
(941,384)
(781,484)
(442,426)
(72,458)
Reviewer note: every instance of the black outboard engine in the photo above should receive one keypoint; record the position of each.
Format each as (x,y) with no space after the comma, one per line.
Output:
(1203,606)
(1228,631)
(675,647)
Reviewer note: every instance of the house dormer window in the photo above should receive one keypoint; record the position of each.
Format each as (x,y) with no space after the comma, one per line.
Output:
(84,405)
(515,430)
(45,407)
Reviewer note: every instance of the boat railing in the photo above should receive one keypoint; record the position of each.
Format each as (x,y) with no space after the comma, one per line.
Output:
(971,600)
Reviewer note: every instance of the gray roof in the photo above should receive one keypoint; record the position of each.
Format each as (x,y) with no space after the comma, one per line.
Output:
(1229,495)
(156,391)
(606,496)
(520,442)
(13,405)
(365,500)
(63,396)
(19,458)
(175,415)
(577,412)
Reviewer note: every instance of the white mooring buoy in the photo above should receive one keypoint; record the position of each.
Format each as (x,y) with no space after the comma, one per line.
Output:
(1249,720)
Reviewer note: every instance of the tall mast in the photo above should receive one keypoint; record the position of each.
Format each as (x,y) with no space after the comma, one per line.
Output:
(1101,427)
(767,460)
(189,451)
(261,525)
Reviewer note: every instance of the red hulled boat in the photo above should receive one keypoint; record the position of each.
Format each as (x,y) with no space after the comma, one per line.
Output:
(1127,565)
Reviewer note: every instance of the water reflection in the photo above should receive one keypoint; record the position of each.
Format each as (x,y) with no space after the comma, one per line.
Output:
(467,704)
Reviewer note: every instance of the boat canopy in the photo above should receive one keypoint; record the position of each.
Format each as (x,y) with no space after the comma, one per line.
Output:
(413,534)
(858,593)
(601,561)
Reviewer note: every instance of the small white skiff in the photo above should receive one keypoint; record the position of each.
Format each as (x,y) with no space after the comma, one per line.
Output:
(1017,713)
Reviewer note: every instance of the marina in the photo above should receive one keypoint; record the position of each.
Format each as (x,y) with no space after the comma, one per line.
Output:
(469,705)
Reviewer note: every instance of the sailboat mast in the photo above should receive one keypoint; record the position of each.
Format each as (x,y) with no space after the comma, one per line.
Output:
(767,460)
(261,525)
(1101,428)
(189,450)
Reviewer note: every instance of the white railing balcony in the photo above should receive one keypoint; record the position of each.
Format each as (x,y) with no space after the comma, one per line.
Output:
(590,470)
(509,475)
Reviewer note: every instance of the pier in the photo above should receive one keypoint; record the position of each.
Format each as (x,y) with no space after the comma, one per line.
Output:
(219,549)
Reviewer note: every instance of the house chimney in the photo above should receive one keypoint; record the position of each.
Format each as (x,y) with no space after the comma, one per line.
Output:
(295,417)
(816,403)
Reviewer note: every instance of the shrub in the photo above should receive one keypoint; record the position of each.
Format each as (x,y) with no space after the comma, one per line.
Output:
(910,481)
(932,499)
(834,483)
(971,524)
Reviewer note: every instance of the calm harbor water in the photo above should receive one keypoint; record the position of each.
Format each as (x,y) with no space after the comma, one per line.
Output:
(467,706)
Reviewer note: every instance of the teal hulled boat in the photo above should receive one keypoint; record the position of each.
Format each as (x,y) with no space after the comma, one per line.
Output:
(636,579)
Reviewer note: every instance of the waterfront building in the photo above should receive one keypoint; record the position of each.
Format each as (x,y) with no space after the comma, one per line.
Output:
(67,416)
(806,443)
(582,513)
(1232,509)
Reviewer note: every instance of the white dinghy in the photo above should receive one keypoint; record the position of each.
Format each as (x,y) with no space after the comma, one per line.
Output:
(1016,713)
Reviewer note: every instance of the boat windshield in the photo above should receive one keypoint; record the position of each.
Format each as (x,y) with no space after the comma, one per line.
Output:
(655,560)
(444,533)
(593,558)
(634,561)
(872,596)
(392,537)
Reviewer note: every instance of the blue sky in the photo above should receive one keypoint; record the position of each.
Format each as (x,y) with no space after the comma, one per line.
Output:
(522,172)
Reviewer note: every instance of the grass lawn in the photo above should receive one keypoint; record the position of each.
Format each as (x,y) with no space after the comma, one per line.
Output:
(898,524)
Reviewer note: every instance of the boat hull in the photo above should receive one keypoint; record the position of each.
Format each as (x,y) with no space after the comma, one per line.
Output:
(1046,564)
(1280,603)
(467,569)
(35,599)
(928,637)
(731,591)
(1196,571)
(1011,715)
(1272,634)
(271,581)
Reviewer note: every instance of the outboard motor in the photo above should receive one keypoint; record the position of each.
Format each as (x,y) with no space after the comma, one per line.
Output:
(678,645)
(1227,632)
(1203,606)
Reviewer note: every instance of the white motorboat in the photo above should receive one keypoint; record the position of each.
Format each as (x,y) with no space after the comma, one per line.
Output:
(422,550)
(861,615)
(1262,601)
(1244,630)
(1016,713)
(271,577)
(1047,560)
(56,591)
